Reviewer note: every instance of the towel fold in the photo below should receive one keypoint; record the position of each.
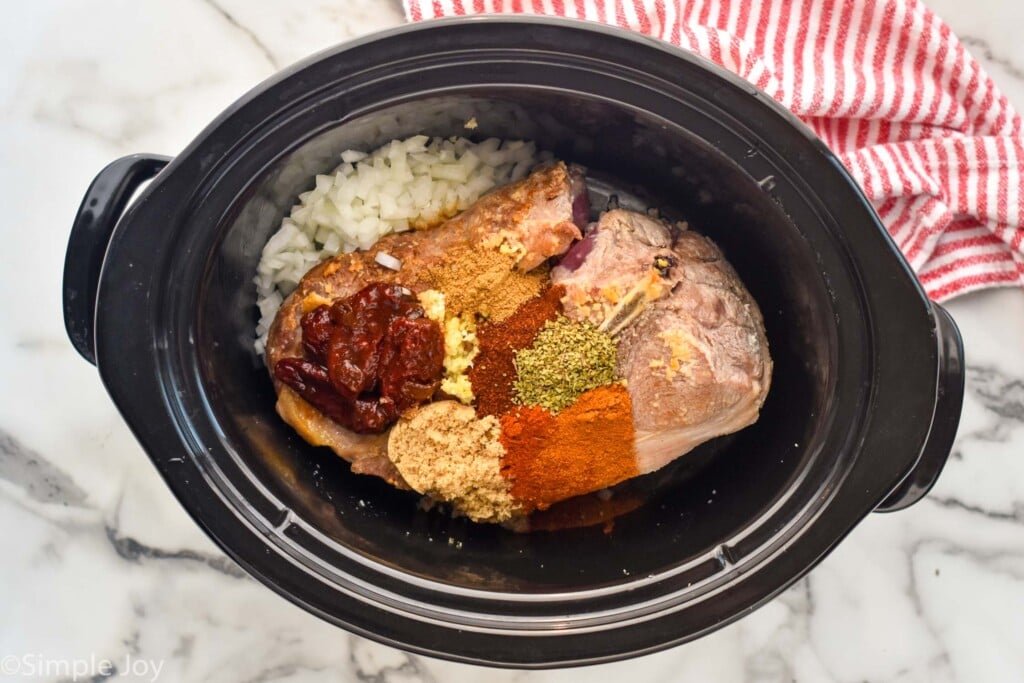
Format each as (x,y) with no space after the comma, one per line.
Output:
(934,144)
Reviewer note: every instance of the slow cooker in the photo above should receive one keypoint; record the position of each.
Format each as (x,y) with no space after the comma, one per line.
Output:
(864,405)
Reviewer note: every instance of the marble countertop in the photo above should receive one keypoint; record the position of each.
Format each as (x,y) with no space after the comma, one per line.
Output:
(101,563)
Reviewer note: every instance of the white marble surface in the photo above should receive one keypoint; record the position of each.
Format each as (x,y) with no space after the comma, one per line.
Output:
(99,561)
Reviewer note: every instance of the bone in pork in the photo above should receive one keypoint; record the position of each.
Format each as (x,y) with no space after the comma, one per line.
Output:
(532,217)
(694,354)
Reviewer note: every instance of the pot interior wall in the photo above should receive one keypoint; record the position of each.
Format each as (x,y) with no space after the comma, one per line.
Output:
(704,500)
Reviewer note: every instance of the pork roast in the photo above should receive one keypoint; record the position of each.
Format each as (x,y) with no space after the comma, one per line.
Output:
(532,218)
(692,345)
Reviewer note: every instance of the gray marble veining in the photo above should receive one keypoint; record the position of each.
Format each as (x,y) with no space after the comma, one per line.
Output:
(100,561)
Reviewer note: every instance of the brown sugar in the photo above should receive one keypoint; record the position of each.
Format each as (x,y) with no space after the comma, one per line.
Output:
(444,451)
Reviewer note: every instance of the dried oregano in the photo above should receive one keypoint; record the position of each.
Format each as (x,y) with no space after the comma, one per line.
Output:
(567,358)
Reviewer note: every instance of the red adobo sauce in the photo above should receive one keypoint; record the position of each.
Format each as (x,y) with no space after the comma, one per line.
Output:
(368,358)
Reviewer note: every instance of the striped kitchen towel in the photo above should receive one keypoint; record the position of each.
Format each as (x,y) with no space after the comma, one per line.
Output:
(935,145)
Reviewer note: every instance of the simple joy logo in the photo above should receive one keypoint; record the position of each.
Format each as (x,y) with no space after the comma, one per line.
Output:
(81,668)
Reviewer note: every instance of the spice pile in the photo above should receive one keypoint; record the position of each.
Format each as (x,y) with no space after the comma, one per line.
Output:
(492,400)
(484,362)
(552,420)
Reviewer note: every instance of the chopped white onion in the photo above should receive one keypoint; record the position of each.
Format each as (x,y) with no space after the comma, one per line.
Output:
(387,260)
(415,182)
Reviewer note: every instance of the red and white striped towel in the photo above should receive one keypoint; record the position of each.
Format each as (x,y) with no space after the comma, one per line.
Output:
(936,146)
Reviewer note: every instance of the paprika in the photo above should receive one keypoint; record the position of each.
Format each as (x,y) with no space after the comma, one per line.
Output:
(588,446)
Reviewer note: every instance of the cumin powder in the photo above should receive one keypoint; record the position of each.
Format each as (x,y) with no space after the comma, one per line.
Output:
(481,281)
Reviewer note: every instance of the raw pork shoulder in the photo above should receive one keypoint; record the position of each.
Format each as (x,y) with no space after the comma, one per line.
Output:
(533,217)
(692,344)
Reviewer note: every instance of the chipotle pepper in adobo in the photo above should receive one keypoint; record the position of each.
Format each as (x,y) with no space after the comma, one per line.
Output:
(368,358)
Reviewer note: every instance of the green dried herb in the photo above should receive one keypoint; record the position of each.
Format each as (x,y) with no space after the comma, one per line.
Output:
(567,359)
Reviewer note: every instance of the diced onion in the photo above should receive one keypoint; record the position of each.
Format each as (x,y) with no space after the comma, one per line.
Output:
(405,184)
(387,260)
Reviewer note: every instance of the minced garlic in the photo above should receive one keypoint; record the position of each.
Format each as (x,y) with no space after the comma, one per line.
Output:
(679,345)
(433,305)
(460,345)
(512,247)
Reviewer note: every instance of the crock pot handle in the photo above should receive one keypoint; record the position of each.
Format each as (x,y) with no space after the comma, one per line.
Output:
(949,400)
(104,202)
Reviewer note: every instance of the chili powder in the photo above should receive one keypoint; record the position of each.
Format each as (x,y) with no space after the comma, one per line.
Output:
(493,374)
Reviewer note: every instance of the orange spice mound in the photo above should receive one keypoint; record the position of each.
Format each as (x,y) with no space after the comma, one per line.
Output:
(588,446)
